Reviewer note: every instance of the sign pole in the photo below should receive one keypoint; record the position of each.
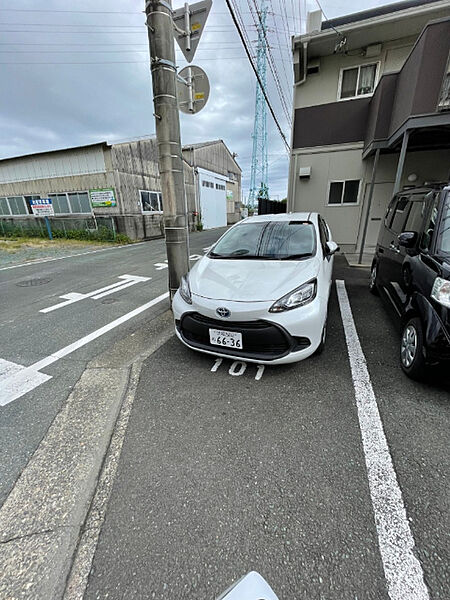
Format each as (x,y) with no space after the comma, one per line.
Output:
(164,77)
(49,229)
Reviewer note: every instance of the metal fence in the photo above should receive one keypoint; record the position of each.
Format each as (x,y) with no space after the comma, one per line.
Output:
(64,227)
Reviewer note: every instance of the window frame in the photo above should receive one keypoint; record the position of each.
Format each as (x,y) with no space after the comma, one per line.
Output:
(160,204)
(341,77)
(11,214)
(50,194)
(342,195)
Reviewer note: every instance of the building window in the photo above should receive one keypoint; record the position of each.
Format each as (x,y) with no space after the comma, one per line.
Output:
(13,205)
(219,186)
(343,192)
(71,202)
(208,184)
(151,202)
(357,81)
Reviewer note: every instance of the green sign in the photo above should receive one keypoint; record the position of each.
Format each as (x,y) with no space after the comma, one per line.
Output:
(229,194)
(102,197)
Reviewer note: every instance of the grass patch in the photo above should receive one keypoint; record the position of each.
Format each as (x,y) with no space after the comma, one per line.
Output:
(102,234)
(12,245)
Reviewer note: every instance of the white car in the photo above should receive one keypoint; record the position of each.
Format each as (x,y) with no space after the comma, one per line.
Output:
(261,292)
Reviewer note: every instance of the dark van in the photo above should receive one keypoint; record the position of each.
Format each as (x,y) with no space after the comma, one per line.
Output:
(411,270)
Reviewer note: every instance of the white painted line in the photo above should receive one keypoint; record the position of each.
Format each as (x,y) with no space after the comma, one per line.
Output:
(43,260)
(402,569)
(259,372)
(28,378)
(8,368)
(73,297)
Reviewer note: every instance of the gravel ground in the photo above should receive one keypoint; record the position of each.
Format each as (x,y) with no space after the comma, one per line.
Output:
(18,251)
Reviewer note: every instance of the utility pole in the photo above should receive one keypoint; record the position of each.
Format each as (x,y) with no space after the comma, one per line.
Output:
(164,76)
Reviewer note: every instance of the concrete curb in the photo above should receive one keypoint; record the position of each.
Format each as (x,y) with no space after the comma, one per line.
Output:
(41,519)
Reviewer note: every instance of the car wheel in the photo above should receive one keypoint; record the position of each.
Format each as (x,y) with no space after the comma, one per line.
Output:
(321,346)
(412,356)
(373,280)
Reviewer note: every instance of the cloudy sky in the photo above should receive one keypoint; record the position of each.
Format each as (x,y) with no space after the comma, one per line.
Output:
(78,73)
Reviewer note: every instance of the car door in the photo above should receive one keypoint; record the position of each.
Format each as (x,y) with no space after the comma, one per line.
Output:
(394,255)
(406,266)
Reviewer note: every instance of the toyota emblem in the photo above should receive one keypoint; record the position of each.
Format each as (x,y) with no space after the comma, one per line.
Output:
(223,312)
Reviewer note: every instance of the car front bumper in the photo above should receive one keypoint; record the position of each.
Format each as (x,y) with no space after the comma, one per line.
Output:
(268,338)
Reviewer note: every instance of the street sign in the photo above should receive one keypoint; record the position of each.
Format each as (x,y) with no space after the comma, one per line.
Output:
(42,207)
(189,23)
(192,89)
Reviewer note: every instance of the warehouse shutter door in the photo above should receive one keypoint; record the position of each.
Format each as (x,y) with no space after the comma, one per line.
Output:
(213,201)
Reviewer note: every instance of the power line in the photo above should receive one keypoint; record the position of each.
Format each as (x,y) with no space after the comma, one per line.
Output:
(233,16)
(273,68)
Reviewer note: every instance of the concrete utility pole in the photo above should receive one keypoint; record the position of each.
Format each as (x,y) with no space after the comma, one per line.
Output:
(164,76)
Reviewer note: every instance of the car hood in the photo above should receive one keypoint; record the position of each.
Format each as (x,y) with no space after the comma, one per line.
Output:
(250,280)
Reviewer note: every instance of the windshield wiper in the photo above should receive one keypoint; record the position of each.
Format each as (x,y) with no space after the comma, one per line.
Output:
(295,256)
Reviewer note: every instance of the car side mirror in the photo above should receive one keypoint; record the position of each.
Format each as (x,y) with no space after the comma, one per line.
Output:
(407,239)
(332,248)
(250,587)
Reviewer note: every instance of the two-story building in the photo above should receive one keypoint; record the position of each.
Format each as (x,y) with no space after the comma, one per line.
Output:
(371,113)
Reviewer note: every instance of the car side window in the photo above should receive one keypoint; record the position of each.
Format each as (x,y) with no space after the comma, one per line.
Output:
(399,215)
(416,215)
(430,223)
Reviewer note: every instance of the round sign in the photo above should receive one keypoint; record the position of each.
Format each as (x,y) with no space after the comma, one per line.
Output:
(192,89)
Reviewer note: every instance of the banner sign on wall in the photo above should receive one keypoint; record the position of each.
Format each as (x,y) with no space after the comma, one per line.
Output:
(102,197)
(42,207)
(229,194)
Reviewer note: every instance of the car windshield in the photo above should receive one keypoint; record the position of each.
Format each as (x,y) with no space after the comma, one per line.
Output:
(267,240)
(443,240)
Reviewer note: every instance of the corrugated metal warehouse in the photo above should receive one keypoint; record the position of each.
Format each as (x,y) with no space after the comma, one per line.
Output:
(117,185)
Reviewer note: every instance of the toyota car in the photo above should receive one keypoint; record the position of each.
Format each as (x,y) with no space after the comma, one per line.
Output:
(261,292)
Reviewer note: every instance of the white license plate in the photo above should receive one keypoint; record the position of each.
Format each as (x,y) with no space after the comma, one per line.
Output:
(230,339)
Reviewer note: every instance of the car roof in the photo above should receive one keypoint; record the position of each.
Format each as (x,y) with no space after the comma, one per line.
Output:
(291,216)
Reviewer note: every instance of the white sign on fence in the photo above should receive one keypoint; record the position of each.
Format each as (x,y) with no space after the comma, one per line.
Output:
(42,207)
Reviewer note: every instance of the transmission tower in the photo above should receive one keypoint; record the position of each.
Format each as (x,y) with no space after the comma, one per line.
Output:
(259,172)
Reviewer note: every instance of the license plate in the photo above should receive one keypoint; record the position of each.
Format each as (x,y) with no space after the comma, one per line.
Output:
(230,339)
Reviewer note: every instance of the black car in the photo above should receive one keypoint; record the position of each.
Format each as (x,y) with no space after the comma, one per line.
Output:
(411,270)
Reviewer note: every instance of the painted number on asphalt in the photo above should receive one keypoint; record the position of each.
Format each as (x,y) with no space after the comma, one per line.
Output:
(238,368)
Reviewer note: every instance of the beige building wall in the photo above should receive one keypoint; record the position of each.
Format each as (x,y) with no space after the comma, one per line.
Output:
(322,87)
(339,163)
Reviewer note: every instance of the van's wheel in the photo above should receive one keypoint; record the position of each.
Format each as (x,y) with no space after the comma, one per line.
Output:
(412,356)
(373,289)
(321,346)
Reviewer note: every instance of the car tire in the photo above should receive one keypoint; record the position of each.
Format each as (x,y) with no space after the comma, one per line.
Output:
(412,358)
(321,346)
(373,281)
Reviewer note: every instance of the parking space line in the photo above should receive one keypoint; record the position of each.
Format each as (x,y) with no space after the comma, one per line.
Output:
(28,378)
(402,569)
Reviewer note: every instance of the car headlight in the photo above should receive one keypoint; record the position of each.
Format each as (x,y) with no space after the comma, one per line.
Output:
(441,291)
(299,297)
(185,290)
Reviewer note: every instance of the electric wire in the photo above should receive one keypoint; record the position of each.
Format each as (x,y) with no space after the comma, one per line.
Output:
(272,66)
(269,104)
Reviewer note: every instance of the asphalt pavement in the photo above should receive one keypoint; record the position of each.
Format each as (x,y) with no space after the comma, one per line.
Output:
(223,468)
(29,336)
(221,474)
